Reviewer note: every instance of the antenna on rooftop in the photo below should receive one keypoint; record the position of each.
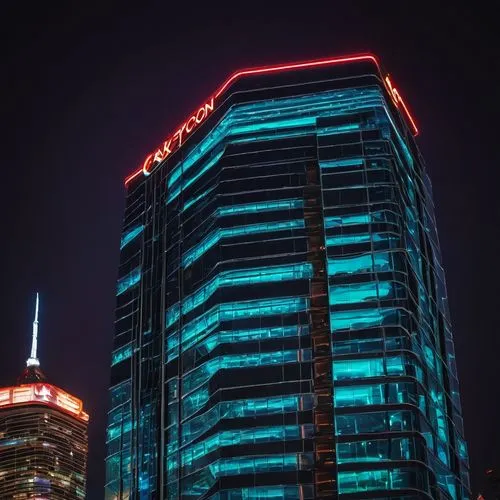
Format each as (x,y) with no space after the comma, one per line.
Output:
(33,360)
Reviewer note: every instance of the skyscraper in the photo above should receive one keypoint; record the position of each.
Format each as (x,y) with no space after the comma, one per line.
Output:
(43,437)
(282,327)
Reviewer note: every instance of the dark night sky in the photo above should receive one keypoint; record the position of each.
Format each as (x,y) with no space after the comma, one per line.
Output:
(87,89)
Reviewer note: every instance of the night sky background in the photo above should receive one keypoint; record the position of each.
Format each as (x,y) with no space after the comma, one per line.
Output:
(89,88)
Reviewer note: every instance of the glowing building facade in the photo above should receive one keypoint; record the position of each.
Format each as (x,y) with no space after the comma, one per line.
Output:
(43,438)
(282,328)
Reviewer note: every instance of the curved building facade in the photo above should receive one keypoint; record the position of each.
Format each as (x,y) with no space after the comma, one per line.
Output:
(282,328)
(43,443)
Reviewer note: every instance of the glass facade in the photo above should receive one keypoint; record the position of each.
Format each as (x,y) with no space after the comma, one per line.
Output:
(43,446)
(282,328)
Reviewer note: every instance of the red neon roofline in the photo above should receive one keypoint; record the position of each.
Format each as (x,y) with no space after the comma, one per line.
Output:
(291,66)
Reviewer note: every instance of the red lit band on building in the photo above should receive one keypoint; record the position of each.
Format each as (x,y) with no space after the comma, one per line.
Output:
(176,140)
(42,393)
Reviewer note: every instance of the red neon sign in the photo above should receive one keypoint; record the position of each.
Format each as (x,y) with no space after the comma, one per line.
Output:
(41,393)
(398,101)
(176,140)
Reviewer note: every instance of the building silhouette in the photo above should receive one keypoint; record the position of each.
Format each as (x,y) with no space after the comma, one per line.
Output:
(282,326)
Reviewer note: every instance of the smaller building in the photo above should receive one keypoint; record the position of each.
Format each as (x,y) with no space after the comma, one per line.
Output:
(43,437)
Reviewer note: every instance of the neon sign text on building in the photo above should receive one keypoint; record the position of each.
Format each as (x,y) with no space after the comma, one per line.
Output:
(176,140)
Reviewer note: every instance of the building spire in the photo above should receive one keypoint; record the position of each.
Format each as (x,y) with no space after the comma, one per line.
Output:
(33,360)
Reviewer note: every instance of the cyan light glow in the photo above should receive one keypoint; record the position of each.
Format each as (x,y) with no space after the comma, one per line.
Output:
(381,339)
(351,239)
(226,337)
(122,353)
(360,292)
(240,310)
(360,318)
(369,262)
(196,199)
(212,239)
(239,465)
(207,370)
(128,281)
(260,117)
(263,206)
(196,426)
(349,162)
(239,437)
(288,492)
(130,235)
(243,277)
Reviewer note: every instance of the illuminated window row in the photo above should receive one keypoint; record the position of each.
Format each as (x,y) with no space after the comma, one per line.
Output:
(378,394)
(382,479)
(370,262)
(283,113)
(243,436)
(363,318)
(352,239)
(262,206)
(212,239)
(128,281)
(199,482)
(117,430)
(288,492)
(225,337)
(130,235)
(377,450)
(207,370)
(196,199)
(242,277)
(243,408)
(238,277)
(364,218)
(360,292)
(231,311)
(375,422)
(122,353)
(207,166)
(343,162)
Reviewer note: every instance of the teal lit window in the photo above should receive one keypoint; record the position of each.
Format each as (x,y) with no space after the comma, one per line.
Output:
(131,235)
(207,370)
(231,311)
(242,277)
(358,368)
(128,281)
(212,239)
(262,206)
(196,199)
(347,162)
(259,493)
(122,353)
(362,318)
(360,292)
(259,119)
(361,395)
(243,408)
(239,437)
(359,263)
